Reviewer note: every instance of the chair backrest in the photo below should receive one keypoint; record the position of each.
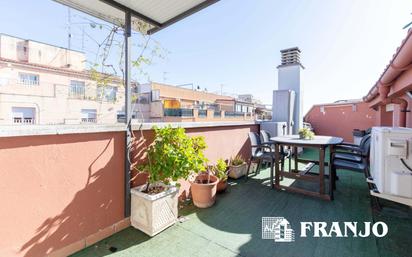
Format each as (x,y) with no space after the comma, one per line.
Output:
(365,143)
(254,141)
(367,146)
(265,136)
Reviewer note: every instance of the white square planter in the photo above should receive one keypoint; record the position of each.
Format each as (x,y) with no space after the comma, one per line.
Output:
(153,213)
(237,171)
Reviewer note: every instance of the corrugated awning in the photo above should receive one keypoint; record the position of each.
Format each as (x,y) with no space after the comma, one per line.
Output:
(155,14)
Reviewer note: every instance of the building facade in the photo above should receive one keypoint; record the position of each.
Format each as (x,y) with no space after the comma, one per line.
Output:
(162,102)
(46,84)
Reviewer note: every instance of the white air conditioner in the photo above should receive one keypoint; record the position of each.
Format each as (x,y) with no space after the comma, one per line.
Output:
(391,163)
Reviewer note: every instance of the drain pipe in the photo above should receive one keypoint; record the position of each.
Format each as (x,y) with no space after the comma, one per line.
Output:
(403,110)
(403,104)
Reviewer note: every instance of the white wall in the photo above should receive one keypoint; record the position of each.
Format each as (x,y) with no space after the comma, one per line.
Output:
(289,78)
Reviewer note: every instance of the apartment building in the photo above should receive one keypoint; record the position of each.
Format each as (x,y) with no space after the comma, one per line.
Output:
(46,84)
(162,102)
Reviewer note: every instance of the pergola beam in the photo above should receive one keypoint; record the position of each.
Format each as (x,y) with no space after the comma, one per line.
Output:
(125,9)
(182,16)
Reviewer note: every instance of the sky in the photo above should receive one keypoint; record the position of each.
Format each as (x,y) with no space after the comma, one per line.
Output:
(234,45)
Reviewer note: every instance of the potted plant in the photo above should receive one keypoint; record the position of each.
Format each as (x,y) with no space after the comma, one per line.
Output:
(237,167)
(173,155)
(220,171)
(204,185)
(306,133)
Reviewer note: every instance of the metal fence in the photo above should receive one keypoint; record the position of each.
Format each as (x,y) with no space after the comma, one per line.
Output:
(24,120)
(178,112)
(89,120)
(234,114)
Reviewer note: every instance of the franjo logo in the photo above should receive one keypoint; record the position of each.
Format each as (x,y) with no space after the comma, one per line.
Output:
(279,229)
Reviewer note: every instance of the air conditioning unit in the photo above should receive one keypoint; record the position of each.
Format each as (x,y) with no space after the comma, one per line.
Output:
(391,164)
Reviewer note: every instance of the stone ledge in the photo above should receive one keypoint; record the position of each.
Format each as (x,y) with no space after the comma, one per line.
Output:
(41,130)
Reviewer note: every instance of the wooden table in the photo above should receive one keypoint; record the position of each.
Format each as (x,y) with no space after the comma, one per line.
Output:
(319,142)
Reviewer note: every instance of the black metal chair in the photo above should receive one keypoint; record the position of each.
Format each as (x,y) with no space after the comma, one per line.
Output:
(262,152)
(345,151)
(351,157)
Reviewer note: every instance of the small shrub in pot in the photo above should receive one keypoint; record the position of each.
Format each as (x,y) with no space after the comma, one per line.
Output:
(220,170)
(237,167)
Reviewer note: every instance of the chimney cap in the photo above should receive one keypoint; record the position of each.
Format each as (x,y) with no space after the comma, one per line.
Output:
(290,56)
(290,49)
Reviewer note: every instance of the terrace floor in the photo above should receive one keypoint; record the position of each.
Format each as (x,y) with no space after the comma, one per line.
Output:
(232,227)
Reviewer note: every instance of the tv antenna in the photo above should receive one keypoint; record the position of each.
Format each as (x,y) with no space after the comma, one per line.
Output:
(407,25)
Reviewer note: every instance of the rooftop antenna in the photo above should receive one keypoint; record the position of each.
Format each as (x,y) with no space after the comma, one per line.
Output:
(407,25)
(164,76)
(69,36)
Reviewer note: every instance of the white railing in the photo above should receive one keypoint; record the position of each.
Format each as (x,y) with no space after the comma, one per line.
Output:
(89,120)
(77,92)
(24,120)
(28,82)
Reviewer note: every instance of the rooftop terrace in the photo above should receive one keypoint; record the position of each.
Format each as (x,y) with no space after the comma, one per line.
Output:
(233,226)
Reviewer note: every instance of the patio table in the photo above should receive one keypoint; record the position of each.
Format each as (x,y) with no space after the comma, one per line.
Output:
(318,142)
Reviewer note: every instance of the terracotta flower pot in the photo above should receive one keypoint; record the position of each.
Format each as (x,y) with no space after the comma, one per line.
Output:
(221,186)
(203,193)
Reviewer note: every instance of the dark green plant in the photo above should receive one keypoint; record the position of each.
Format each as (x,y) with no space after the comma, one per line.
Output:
(174,155)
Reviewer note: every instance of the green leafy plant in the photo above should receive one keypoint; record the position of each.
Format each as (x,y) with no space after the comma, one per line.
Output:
(306,133)
(220,169)
(237,160)
(174,155)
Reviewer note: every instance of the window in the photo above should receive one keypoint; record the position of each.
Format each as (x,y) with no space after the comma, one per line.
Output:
(155,95)
(77,89)
(23,115)
(89,115)
(106,93)
(28,79)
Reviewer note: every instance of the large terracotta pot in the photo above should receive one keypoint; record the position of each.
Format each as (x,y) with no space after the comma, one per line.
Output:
(204,195)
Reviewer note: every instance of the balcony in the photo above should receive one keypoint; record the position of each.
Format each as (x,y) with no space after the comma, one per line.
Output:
(88,120)
(233,226)
(92,197)
(24,121)
(28,82)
